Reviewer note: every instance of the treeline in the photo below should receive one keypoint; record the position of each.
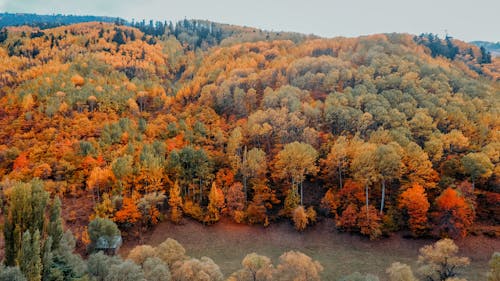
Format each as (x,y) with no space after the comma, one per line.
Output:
(38,249)
(448,49)
(48,21)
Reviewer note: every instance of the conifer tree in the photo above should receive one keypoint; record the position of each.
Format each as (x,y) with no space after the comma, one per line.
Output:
(55,229)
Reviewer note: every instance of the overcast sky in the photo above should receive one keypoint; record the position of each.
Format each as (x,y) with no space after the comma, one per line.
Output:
(465,20)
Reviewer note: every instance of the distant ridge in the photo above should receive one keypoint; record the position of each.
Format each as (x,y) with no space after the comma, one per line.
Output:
(49,21)
(493,47)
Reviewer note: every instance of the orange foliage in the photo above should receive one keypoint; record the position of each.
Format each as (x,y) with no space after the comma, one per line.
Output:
(21,161)
(454,215)
(129,213)
(414,200)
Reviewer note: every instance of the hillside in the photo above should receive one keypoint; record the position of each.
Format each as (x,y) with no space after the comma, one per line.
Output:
(251,125)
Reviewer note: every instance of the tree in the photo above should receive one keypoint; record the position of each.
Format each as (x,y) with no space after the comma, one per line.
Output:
(484,58)
(101,227)
(170,251)
(388,166)
(477,165)
(99,265)
(298,266)
(29,259)
(203,269)
(414,201)
(175,203)
(259,267)
(55,228)
(440,261)
(337,161)
(156,270)
(330,202)
(235,199)
(141,253)
(299,217)
(294,162)
(363,168)
(215,204)
(122,167)
(125,271)
(129,213)
(370,225)
(418,168)
(25,211)
(454,215)
(400,272)
(254,164)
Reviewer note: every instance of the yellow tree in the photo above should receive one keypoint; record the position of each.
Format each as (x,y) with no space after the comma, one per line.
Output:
(215,203)
(175,203)
(294,162)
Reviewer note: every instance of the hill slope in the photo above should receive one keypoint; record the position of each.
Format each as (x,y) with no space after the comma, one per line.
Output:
(115,117)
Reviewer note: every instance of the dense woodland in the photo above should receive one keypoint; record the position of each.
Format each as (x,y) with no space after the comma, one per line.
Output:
(197,120)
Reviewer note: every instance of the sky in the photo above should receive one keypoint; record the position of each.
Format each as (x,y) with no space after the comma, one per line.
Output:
(465,20)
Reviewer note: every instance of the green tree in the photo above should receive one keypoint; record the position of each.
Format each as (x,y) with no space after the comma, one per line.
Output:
(125,271)
(29,257)
(156,270)
(100,227)
(55,227)
(25,211)
(99,265)
(477,165)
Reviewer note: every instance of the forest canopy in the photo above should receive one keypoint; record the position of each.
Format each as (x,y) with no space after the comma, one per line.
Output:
(141,123)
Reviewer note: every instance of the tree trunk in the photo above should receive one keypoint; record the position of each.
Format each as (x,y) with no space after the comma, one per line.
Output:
(383,197)
(340,176)
(301,193)
(245,187)
(366,199)
(201,193)
(473,185)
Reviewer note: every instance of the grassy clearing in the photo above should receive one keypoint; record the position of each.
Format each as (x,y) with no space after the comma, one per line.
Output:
(339,253)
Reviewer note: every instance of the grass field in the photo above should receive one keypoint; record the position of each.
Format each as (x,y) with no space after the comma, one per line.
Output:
(339,253)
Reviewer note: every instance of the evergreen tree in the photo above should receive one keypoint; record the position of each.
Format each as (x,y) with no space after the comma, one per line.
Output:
(25,211)
(55,228)
(29,256)
(47,258)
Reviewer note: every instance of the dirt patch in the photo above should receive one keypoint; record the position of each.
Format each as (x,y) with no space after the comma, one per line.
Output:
(340,254)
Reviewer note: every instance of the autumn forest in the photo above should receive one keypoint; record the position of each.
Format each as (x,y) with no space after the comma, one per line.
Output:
(109,129)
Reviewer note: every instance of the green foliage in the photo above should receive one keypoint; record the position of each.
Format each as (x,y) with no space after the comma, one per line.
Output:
(11,274)
(102,228)
(99,265)
(25,211)
(29,259)
(55,227)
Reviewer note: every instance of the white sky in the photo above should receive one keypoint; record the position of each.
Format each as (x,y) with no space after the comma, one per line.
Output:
(465,20)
